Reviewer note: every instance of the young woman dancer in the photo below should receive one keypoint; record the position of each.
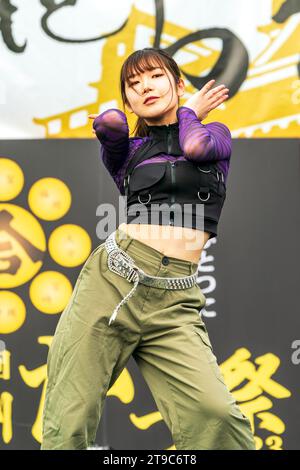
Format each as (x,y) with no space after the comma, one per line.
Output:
(173,162)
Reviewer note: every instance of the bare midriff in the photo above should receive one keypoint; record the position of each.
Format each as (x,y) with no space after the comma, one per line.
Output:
(177,242)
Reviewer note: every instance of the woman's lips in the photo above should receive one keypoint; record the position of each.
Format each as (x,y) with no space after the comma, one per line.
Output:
(151,100)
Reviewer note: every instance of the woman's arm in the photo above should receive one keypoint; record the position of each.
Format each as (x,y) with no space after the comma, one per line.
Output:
(112,130)
(202,142)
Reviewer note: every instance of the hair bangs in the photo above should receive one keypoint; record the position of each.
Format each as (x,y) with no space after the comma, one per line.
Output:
(140,63)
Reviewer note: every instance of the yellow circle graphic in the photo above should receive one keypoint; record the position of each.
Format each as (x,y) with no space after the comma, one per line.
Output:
(11,179)
(49,198)
(12,312)
(23,245)
(69,245)
(50,292)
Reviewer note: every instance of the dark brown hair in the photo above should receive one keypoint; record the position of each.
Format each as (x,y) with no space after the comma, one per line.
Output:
(138,62)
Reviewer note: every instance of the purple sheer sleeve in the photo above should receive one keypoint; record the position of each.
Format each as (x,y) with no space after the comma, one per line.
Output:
(113,133)
(116,147)
(202,142)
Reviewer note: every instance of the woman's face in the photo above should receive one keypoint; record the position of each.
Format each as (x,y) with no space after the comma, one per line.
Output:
(158,82)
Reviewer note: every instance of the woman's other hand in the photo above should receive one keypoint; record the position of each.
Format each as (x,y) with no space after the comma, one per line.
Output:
(207,99)
(93,116)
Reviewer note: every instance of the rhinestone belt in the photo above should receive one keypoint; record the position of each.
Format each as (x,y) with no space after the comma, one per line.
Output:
(121,263)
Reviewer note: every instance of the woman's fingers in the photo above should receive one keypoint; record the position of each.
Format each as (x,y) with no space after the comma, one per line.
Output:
(207,87)
(219,94)
(219,101)
(217,89)
(93,116)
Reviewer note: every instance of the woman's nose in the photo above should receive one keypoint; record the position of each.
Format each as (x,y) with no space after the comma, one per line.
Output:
(146,89)
(146,83)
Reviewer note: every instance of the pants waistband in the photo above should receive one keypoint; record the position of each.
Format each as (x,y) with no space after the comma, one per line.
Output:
(139,250)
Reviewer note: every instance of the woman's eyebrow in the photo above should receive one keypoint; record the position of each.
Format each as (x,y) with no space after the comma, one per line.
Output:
(150,69)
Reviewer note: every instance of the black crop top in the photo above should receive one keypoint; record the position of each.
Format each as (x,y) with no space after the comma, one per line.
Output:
(165,187)
(178,193)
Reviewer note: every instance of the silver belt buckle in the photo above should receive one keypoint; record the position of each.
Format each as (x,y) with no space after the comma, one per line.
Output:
(117,263)
(132,269)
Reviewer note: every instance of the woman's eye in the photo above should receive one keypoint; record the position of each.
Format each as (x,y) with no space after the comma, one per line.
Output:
(155,75)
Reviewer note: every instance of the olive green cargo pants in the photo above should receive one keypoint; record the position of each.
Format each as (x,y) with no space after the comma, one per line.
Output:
(164,332)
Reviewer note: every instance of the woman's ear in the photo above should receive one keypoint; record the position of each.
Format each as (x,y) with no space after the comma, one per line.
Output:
(180,87)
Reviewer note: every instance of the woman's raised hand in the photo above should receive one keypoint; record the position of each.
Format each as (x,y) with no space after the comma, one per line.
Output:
(93,116)
(207,99)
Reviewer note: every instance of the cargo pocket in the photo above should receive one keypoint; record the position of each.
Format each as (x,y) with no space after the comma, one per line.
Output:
(143,182)
(145,176)
(201,330)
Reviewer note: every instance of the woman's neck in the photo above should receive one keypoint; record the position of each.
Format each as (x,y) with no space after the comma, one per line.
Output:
(165,120)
